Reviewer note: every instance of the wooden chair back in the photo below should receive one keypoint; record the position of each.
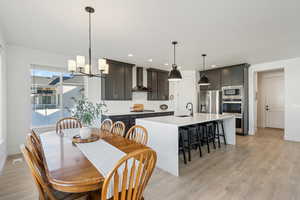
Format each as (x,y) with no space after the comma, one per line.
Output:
(35,136)
(129,178)
(38,174)
(118,128)
(67,123)
(106,125)
(34,145)
(138,134)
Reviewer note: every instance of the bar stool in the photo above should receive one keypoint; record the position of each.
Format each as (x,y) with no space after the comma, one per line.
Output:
(182,132)
(195,138)
(208,134)
(218,134)
(190,137)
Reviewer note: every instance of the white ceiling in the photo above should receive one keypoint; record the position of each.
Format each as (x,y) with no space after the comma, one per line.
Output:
(229,31)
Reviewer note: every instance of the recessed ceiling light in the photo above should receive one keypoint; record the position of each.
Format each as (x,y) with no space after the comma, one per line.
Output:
(150,60)
(166,64)
(213,66)
(130,55)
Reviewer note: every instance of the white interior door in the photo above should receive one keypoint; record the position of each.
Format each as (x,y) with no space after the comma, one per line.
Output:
(274,101)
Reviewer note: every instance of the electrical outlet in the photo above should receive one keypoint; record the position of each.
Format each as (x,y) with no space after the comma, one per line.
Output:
(17,160)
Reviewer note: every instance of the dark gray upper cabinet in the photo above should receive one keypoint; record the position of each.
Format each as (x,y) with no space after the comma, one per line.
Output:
(233,75)
(118,83)
(152,85)
(128,82)
(214,77)
(226,76)
(158,84)
(163,85)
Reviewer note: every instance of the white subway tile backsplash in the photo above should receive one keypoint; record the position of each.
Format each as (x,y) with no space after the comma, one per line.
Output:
(140,98)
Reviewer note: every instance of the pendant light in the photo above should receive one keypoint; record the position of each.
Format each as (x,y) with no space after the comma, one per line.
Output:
(79,68)
(174,74)
(203,80)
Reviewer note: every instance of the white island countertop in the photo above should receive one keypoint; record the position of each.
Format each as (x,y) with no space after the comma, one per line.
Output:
(197,118)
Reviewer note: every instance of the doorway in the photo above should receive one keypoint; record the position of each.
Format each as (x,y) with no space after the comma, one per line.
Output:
(270,99)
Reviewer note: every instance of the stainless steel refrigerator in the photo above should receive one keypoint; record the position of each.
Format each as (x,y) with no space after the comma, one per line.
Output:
(209,101)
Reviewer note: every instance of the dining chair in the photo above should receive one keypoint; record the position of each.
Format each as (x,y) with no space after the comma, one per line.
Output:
(35,136)
(129,178)
(118,128)
(138,134)
(106,125)
(34,146)
(46,192)
(67,123)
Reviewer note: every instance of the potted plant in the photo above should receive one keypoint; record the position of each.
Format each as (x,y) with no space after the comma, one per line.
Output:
(86,111)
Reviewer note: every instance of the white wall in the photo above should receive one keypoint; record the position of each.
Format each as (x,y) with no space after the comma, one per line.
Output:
(19,61)
(292,95)
(3,140)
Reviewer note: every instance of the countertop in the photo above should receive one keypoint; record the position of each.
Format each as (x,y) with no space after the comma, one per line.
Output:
(184,121)
(135,113)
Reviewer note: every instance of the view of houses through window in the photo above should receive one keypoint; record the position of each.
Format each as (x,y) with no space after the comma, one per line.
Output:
(52,94)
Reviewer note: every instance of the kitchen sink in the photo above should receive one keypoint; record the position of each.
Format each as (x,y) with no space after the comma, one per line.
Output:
(182,116)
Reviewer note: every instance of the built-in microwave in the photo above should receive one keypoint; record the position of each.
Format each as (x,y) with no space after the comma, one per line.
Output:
(232,93)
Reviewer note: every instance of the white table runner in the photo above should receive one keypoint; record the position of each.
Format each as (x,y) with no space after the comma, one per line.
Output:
(102,155)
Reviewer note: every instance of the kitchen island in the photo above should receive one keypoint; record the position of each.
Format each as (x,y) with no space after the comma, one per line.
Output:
(163,135)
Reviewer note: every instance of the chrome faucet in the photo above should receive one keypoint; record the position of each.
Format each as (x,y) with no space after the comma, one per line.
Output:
(190,107)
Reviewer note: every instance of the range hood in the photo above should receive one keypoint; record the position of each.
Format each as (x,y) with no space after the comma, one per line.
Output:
(139,81)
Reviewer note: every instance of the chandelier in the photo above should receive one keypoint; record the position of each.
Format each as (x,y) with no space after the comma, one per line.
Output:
(78,67)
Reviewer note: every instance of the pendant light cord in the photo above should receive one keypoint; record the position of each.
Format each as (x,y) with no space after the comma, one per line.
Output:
(174,55)
(174,64)
(203,55)
(90,45)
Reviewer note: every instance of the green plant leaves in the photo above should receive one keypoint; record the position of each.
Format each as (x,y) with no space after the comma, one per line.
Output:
(86,111)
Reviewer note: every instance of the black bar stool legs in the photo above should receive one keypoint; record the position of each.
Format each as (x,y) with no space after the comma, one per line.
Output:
(208,135)
(195,136)
(223,133)
(218,134)
(195,140)
(189,137)
(181,145)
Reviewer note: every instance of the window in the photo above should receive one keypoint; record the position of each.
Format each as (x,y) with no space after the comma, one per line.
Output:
(52,93)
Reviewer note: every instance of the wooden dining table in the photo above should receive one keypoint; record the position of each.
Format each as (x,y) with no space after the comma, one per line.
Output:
(67,168)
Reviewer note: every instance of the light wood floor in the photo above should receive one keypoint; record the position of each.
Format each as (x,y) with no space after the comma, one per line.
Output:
(258,167)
